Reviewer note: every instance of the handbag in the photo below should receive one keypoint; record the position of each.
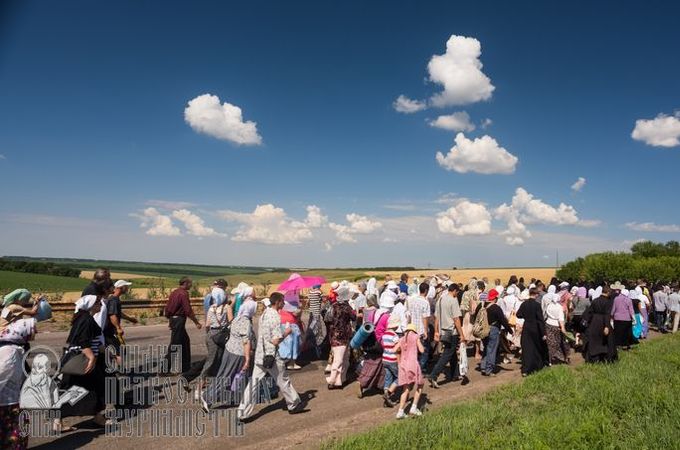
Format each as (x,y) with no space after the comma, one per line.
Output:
(74,362)
(222,336)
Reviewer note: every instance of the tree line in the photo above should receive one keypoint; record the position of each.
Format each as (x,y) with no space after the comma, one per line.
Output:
(651,261)
(45,268)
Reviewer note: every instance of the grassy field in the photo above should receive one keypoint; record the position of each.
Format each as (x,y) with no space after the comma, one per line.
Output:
(39,283)
(632,404)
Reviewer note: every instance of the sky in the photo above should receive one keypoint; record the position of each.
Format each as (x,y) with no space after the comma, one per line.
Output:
(336,134)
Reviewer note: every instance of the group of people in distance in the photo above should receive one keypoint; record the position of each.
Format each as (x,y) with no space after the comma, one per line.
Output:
(393,338)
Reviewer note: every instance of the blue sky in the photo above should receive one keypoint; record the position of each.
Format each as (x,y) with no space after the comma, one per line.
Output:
(93,131)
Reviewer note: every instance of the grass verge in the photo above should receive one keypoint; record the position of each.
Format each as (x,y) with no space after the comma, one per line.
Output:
(38,282)
(634,403)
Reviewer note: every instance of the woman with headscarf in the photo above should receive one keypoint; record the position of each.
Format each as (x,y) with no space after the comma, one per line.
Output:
(341,332)
(14,339)
(86,337)
(580,303)
(637,322)
(291,316)
(599,344)
(15,306)
(371,375)
(235,366)
(558,350)
(217,319)
(644,311)
(240,293)
(533,340)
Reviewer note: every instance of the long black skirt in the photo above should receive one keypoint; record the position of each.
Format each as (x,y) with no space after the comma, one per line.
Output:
(534,349)
(623,333)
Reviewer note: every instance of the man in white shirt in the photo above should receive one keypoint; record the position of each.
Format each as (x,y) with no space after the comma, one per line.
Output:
(660,306)
(418,309)
(674,307)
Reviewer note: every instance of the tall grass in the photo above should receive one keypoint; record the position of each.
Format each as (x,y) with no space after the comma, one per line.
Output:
(634,403)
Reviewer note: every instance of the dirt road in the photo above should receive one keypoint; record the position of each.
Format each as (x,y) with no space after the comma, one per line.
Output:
(330,413)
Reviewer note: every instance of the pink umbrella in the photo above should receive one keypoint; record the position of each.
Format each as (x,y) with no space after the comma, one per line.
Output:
(297,282)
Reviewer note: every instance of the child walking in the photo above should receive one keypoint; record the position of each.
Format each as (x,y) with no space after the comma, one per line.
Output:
(410,376)
(390,340)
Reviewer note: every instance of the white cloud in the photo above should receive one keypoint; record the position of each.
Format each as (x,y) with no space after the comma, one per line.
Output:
(314,217)
(194,224)
(223,121)
(481,155)
(357,225)
(653,227)
(458,121)
(486,123)
(465,218)
(157,224)
(459,71)
(400,206)
(588,223)
(170,204)
(578,185)
(406,105)
(448,198)
(663,131)
(267,224)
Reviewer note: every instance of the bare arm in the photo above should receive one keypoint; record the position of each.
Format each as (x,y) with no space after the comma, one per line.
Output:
(246,353)
(459,328)
(90,359)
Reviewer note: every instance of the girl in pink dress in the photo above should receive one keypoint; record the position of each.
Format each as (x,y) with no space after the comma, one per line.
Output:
(410,376)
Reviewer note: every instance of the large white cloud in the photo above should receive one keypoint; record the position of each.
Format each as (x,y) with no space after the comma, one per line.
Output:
(223,121)
(653,227)
(663,131)
(465,218)
(406,105)
(315,219)
(578,184)
(194,224)
(459,71)
(157,224)
(458,121)
(481,155)
(267,224)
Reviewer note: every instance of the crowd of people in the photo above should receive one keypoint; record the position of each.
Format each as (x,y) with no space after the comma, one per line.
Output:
(393,339)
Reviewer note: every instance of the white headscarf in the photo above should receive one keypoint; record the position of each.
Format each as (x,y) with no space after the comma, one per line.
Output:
(247,292)
(86,303)
(248,308)
(551,296)
(597,293)
(219,295)
(371,288)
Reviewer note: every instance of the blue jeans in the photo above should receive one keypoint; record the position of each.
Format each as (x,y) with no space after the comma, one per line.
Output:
(661,320)
(391,373)
(490,349)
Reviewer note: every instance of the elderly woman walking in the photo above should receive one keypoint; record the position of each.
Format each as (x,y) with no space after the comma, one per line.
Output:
(235,367)
(217,320)
(341,333)
(558,350)
(14,338)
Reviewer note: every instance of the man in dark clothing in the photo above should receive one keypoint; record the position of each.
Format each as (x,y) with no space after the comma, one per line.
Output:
(113,331)
(177,310)
(496,320)
(101,282)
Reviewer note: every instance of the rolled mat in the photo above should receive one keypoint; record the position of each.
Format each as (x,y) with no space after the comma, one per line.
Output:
(361,335)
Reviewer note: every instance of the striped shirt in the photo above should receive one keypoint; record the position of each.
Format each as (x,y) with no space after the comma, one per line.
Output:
(389,340)
(314,298)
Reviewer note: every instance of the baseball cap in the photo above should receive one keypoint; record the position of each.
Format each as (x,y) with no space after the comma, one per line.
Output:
(121,283)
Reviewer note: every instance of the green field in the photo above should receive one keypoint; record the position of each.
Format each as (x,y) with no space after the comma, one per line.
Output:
(632,404)
(39,283)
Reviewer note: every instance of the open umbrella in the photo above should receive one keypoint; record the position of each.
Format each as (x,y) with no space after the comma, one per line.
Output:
(295,282)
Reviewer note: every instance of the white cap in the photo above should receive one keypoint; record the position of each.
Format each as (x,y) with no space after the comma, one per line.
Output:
(121,283)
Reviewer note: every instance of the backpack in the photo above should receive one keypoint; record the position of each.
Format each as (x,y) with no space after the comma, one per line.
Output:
(481,328)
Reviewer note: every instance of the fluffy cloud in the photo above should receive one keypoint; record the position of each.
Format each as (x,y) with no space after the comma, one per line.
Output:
(157,224)
(578,185)
(459,71)
(223,121)
(195,225)
(486,123)
(465,218)
(652,227)
(663,131)
(267,224)
(357,224)
(458,121)
(481,155)
(314,217)
(405,105)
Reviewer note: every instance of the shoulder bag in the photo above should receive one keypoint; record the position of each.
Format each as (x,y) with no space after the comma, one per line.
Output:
(220,338)
(268,361)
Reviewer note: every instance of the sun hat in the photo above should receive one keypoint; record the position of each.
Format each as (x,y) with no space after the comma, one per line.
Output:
(391,285)
(121,283)
(334,285)
(387,299)
(617,286)
(411,327)
(493,295)
(393,322)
